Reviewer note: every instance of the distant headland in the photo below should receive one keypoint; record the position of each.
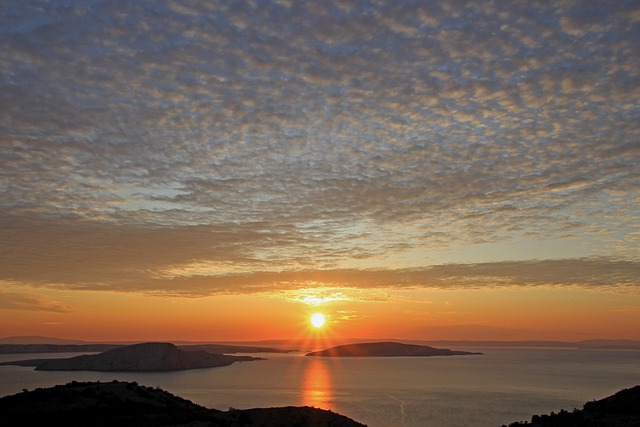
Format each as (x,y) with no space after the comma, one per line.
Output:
(127,404)
(14,345)
(138,357)
(386,349)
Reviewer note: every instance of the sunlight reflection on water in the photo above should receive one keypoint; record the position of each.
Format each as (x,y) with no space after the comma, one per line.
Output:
(501,386)
(317,384)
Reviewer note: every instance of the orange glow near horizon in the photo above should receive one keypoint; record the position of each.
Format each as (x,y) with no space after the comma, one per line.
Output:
(475,314)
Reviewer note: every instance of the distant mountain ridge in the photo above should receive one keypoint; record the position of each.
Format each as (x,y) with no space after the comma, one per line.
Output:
(585,344)
(34,339)
(31,344)
(97,348)
(126,404)
(55,348)
(386,349)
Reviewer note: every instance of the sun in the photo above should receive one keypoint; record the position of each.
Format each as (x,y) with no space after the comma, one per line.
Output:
(318,320)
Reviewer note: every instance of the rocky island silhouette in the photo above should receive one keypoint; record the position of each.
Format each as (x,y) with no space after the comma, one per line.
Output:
(138,357)
(386,349)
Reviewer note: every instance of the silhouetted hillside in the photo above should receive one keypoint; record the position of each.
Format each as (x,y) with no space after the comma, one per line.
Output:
(620,410)
(385,349)
(125,404)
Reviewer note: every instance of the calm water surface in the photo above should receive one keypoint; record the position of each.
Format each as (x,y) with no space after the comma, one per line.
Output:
(499,387)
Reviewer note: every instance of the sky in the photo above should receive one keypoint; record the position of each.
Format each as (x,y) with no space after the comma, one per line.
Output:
(220,170)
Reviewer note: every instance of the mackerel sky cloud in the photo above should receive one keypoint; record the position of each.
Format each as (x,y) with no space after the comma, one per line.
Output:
(196,148)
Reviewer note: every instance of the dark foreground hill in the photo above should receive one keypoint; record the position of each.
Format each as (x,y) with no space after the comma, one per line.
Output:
(620,410)
(126,404)
(385,349)
(137,357)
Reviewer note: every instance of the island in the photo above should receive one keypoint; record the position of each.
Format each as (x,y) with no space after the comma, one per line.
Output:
(386,349)
(127,404)
(138,358)
(619,410)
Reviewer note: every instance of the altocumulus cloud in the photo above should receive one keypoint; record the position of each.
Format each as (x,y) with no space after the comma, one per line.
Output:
(30,302)
(181,146)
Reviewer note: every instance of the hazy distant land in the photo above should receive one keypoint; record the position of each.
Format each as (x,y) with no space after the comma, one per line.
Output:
(56,348)
(15,345)
(138,357)
(38,344)
(129,404)
(600,344)
(386,349)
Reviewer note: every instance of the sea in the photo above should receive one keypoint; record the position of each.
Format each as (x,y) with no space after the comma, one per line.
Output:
(496,388)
